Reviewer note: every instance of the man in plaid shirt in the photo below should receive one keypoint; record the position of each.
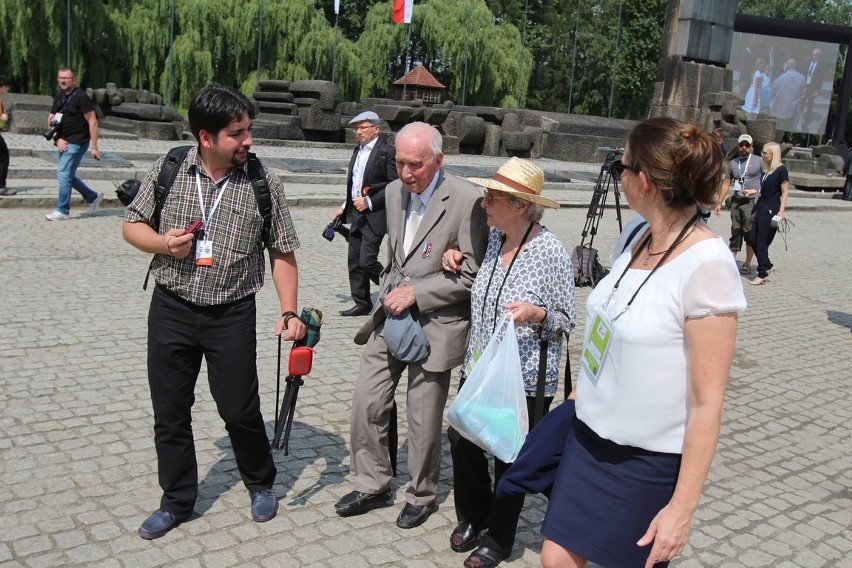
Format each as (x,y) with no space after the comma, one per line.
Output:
(203,303)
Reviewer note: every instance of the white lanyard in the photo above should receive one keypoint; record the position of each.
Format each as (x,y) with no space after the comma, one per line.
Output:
(208,216)
(740,167)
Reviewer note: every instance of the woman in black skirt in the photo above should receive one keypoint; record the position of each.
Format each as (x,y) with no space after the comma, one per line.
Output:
(660,336)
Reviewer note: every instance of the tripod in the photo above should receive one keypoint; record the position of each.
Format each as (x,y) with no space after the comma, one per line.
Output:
(587,268)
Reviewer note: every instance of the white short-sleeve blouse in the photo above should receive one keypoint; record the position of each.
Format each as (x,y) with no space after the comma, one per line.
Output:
(641,395)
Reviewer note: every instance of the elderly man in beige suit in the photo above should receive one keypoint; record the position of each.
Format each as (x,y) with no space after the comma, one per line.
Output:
(429,211)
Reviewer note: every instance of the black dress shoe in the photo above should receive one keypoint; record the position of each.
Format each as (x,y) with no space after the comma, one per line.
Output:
(356,502)
(159,523)
(464,537)
(356,311)
(484,557)
(414,515)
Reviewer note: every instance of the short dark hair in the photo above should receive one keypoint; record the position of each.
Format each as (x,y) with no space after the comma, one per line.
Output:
(215,106)
(4,81)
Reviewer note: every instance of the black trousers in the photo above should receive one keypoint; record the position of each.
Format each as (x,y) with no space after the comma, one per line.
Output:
(761,237)
(179,335)
(4,162)
(473,490)
(363,263)
(847,189)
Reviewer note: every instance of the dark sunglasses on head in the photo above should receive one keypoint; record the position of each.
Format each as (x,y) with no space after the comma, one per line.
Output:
(617,169)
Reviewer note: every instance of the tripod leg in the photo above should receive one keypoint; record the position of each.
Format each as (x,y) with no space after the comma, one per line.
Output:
(286,442)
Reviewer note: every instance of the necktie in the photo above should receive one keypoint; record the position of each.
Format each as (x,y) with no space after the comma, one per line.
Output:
(412,222)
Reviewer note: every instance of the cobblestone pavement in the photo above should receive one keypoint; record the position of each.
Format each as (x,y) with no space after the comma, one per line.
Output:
(77,464)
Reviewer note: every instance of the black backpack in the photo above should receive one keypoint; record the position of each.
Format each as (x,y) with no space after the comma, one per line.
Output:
(169,172)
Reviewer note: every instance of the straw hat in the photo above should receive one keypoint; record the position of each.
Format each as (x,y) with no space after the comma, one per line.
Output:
(519,178)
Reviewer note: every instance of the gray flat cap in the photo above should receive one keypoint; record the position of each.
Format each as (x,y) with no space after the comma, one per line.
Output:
(368,116)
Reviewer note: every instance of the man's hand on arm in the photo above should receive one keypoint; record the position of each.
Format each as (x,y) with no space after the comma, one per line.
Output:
(399,299)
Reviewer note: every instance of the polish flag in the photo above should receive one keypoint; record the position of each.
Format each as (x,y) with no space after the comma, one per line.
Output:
(402,11)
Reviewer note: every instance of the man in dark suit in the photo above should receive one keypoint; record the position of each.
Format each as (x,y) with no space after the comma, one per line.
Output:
(816,73)
(372,167)
(428,212)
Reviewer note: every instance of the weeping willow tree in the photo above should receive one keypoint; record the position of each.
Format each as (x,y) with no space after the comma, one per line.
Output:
(446,35)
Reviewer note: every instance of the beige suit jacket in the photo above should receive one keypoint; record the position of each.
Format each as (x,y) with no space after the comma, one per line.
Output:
(453,219)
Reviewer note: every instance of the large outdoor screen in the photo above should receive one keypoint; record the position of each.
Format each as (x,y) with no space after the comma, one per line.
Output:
(790,79)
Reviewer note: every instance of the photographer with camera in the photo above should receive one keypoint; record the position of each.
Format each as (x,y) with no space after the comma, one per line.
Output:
(372,167)
(72,126)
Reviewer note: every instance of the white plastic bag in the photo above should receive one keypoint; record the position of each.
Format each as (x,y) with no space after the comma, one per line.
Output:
(490,410)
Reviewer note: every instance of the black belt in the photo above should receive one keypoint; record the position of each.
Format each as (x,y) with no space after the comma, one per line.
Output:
(742,200)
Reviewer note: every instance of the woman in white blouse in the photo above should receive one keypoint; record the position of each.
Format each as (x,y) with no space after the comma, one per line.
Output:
(660,336)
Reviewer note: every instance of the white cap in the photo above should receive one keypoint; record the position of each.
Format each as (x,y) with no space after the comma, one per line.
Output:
(366,116)
(745,138)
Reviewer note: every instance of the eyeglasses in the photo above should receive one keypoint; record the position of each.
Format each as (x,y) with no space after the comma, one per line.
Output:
(491,198)
(744,145)
(364,127)
(616,169)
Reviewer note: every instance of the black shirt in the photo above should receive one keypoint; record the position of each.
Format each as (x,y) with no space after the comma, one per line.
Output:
(73,129)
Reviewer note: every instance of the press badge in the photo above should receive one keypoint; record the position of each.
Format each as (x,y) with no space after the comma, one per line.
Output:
(474,357)
(738,185)
(204,253)
(596,346)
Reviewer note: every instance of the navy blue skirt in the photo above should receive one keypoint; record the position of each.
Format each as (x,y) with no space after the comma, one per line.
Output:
(605,496)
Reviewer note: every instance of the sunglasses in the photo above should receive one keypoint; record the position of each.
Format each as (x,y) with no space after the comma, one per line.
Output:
(744,145)
(616,169)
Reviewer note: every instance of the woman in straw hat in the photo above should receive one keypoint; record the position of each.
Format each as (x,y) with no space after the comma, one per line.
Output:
(660,336)
(526,271)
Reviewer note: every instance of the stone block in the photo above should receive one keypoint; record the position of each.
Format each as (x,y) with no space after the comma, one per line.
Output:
(273,85)
(720,99)
(273,96)
(436,116)
(160,130)
(493,138)
(471,131)
(762,130)
(325,92)
(314,118)
(517,144)
(536,135)
(139,111)
(454,118)
(511,122)
(451,144)
(290,128)
(267,107)
(549,125)
(28,121)
(396,113)
(822,149)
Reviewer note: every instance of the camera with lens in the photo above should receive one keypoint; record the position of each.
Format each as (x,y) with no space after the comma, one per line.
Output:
(335,226)
(50,133)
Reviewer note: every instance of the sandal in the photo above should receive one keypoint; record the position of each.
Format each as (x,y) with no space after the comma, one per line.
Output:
(745,269)
(757,281)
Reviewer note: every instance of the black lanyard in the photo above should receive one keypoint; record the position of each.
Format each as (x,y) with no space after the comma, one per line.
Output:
(508,270)
(647,243)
